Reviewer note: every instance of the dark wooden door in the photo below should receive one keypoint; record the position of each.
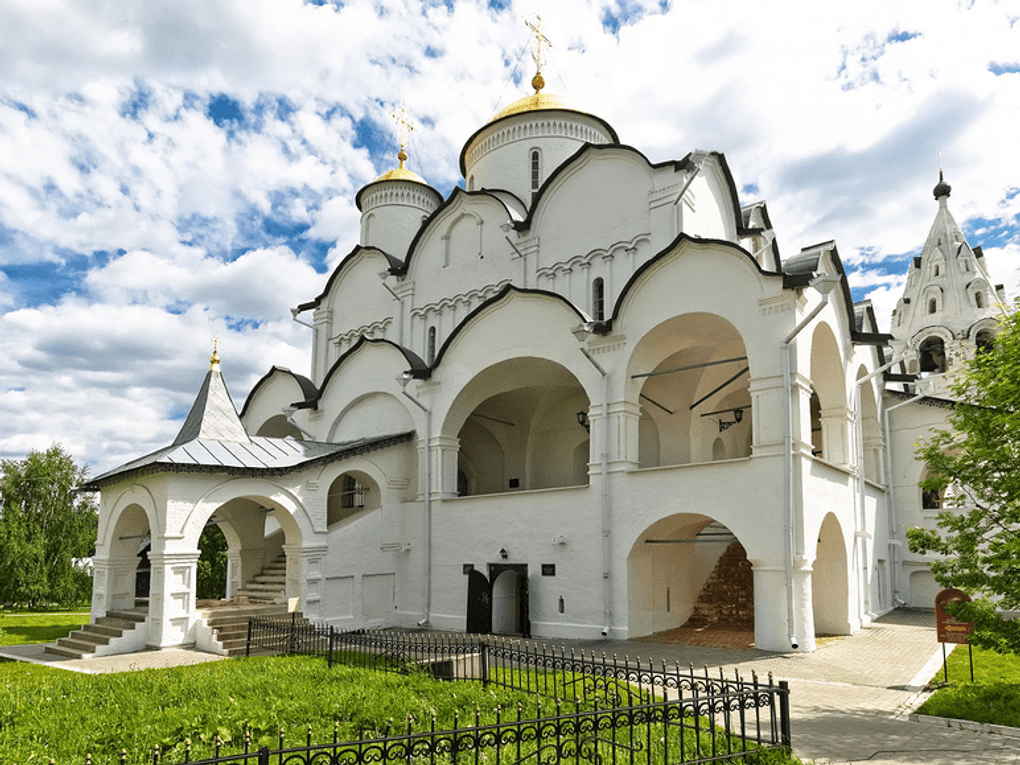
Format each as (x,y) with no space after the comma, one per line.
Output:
(479,604)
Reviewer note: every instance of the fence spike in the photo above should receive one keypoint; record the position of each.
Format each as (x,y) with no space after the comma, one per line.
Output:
(770,677)
(123,755)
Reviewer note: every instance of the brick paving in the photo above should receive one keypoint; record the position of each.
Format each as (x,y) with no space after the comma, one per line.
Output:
(850,698)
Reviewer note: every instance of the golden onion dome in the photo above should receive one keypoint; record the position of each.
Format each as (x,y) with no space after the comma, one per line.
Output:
(401,173)
(534,103)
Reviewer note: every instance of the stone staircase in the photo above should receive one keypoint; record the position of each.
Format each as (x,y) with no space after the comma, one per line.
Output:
(228,625)
(95,639)
(727,599)
(269,585)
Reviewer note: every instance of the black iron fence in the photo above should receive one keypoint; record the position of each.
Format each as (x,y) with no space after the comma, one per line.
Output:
(674,731)
(703,717)
(618,712)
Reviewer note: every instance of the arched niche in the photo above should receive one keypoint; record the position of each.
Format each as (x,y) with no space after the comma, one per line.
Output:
(350,494)
(369,415)
(830,594)
(688,374)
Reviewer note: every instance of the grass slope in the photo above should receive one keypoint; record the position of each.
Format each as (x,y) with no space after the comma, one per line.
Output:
(993,697)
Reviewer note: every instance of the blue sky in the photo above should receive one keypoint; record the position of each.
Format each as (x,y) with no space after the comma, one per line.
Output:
(177,171)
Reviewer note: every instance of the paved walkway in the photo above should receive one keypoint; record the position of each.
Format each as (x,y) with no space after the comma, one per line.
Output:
(849,699)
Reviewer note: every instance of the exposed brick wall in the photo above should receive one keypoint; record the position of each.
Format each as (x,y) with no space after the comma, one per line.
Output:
(727,599)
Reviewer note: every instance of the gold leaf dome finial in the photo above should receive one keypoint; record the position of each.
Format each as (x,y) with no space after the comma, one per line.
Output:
(401,173)
(215,358)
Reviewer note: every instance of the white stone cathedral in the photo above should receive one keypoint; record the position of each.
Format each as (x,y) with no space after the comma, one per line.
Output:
(549,402)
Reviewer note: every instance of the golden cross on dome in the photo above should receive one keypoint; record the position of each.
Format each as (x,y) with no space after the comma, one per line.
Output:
(215,352)
(405,125)
(538,82)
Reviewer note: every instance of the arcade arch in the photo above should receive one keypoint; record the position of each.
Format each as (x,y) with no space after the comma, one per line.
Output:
(524,429)
(691,376)
(828,383)
(669,565)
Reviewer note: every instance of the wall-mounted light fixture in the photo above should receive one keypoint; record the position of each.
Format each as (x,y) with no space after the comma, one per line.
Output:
(504,554)
(738,415)
(582,420)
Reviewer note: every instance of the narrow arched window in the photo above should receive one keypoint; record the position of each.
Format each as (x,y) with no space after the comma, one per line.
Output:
(598,299)
(536,172)
(432,345)
(932,305)
(936,269)
(979,300)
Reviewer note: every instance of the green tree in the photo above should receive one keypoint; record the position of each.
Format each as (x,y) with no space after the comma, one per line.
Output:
(975,466)
(211,580)
(45,528)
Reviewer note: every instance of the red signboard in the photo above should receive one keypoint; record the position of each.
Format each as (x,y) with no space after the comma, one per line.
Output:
(949,628)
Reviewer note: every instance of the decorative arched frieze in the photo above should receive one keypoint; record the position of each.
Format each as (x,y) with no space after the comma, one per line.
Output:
(377,330)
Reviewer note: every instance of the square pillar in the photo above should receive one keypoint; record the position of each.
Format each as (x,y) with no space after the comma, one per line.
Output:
(171,618)
(306,578)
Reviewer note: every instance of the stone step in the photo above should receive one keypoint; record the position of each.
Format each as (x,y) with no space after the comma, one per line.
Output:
(60,650)
(76,645)
(87,635)
(135,615)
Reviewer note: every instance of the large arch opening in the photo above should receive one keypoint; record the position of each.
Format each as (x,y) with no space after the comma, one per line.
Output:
(128,559)
(871,435)
(256,531)
(830,597)
(829,385)
(691,377)
(687,569)
(526,429)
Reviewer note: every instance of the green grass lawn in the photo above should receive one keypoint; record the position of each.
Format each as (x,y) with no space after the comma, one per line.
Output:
(993,697)
(48,713)
(17,627)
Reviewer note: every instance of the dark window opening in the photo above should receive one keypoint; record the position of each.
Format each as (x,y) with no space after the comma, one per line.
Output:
(432,345)
(598,299)
(984,341)
(933,355)
(931,500)
(353,493)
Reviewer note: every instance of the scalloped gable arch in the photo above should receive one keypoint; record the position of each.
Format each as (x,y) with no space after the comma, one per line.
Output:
(633,297)
(580,162)
(507,292)
(457,198)
(408,359)
(393,263)
(303,388)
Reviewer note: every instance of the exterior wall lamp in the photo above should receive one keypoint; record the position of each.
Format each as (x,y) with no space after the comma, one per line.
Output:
(738,415)
(582,420)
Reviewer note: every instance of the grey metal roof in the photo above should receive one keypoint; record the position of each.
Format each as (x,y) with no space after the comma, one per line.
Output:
(213,415)
(213,440)
(258,456)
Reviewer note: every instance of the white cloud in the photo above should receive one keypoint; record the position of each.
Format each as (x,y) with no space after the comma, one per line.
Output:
(834,112)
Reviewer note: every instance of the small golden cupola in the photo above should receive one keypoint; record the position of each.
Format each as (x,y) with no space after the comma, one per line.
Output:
(394,204)
(525,141)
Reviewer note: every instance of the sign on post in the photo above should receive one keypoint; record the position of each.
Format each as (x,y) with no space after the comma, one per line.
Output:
(948,627)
